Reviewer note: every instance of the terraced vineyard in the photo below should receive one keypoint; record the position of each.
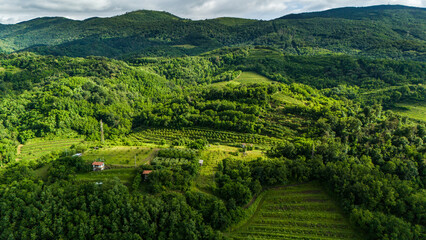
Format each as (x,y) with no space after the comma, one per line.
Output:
(296,212)
(37,148)
(155,135)
(122,155)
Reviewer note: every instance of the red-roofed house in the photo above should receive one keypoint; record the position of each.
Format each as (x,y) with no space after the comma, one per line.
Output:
(98,166)
(145,173)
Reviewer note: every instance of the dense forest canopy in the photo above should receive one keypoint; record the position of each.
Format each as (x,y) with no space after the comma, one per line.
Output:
(380,31)
(257,106)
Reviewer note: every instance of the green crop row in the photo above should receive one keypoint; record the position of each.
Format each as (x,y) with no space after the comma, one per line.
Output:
(36,149)
(210,135)
(296,212)
(168,162)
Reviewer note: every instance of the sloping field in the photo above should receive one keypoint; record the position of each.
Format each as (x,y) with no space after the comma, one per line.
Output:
(155,135)
(252,77)
(120,155)
(286,99)
(245,78)
(412,110)
(126,175)
(37,148)
(296,212)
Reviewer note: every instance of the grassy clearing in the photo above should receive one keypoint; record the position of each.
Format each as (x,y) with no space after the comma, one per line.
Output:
(252,77)
(386,89)
(212,156)
(286,99)
(36,148)
(122,155)
(296,212)
(223,84)
(412,110)
(244,78)
(185,46)
(126,175)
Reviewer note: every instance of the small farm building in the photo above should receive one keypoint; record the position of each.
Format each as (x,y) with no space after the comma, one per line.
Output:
(98,166)
(145,173)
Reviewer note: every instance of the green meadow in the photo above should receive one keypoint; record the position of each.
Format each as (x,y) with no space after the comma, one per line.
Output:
(245,78)
(120,155)
(125,175)
(412,110)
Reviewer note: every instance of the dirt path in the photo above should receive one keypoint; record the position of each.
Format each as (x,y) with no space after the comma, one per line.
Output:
(18,151)
(151,156)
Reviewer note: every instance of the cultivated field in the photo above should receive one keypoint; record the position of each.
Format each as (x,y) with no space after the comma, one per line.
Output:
(296,212)
(156,135)
(120,155)
(36,148)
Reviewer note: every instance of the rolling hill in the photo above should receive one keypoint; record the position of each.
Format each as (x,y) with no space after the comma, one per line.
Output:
(277,130)
(379,31)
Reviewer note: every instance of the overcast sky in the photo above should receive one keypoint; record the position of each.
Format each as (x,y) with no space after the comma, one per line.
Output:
(12,11)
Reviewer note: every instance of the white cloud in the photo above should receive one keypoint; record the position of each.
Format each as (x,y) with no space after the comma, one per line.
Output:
(69,5)
(12,11)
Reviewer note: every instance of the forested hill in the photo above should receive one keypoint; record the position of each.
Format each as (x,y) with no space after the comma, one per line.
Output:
(379,31)
(252,132)
(378,12)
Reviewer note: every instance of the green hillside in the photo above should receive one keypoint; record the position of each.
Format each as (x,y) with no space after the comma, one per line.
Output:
(232,22)
(381,31)
(378,12)
(287,119)
(412,110)
(307,127)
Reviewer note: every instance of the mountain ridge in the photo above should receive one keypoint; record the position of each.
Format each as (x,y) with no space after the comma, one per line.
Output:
(346,9)
(286,16)
(392,31)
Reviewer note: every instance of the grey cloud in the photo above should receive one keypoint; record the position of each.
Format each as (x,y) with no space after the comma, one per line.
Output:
(19,10)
